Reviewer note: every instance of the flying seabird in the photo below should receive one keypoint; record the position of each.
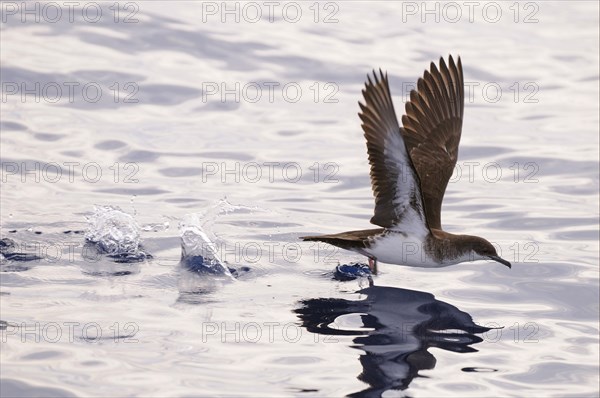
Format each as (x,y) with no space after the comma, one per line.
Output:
(410,169)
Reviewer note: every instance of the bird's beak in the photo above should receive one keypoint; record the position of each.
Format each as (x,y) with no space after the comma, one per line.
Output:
(501,260)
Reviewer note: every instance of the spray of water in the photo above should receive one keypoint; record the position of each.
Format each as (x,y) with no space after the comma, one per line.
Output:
(113,231)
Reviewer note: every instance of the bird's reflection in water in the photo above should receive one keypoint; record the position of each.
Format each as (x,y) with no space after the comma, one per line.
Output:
(404,325)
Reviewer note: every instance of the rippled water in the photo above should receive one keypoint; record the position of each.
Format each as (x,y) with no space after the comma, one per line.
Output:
(160,143)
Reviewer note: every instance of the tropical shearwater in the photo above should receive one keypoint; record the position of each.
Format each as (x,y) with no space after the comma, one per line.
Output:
(410,169)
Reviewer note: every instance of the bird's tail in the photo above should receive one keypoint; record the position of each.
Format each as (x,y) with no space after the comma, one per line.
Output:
(312,238)
(334,240)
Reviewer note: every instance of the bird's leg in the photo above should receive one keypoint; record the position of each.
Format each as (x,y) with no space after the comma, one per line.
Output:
(373,265)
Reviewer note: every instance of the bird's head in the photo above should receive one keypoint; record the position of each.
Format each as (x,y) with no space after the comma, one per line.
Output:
(484,250)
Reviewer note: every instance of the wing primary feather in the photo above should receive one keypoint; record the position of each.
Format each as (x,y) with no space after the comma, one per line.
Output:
(393,178)
(432,126)
(448,87)
(411,166)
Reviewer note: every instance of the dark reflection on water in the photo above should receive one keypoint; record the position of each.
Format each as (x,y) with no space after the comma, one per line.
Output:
(405,324)
(12,259)
(198,284)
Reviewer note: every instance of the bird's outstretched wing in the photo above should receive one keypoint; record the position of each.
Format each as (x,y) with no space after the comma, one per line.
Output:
(431,129)
(395,184)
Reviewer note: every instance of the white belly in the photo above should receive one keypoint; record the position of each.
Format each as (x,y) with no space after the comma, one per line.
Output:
(401,249)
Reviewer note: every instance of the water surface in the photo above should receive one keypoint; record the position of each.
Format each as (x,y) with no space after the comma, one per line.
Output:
(165,140)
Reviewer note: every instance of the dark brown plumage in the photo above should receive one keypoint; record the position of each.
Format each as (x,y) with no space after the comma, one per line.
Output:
(431,129)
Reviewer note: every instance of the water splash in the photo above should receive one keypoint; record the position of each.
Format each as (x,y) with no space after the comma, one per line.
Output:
(208,217)
(198,251)
(199,243)
(113,231)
